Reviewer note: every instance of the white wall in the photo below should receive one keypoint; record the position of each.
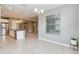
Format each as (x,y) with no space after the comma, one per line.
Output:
(78,19)
(68,24)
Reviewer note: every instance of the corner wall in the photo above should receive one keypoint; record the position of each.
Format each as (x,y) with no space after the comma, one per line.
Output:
(69,26)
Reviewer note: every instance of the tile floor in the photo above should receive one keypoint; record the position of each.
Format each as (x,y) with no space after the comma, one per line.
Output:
(31,45)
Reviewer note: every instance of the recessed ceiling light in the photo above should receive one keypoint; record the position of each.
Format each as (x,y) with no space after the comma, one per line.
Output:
(36,10)
(42,11)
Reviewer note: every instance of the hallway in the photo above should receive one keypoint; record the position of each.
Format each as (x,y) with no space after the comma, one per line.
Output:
(26,25)
(31,45)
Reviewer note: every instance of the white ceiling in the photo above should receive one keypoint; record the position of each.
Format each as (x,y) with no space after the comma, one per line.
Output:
(24,10)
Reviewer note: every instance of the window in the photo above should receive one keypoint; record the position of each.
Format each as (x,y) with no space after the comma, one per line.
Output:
(53,24)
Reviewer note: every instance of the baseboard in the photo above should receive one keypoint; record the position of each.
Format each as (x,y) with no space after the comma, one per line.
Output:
(66,45)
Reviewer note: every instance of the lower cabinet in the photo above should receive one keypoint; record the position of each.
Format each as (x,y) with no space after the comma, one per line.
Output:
(17,34)
(20,34)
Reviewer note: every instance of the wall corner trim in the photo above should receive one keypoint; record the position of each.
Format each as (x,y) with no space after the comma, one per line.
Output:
(54,42)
